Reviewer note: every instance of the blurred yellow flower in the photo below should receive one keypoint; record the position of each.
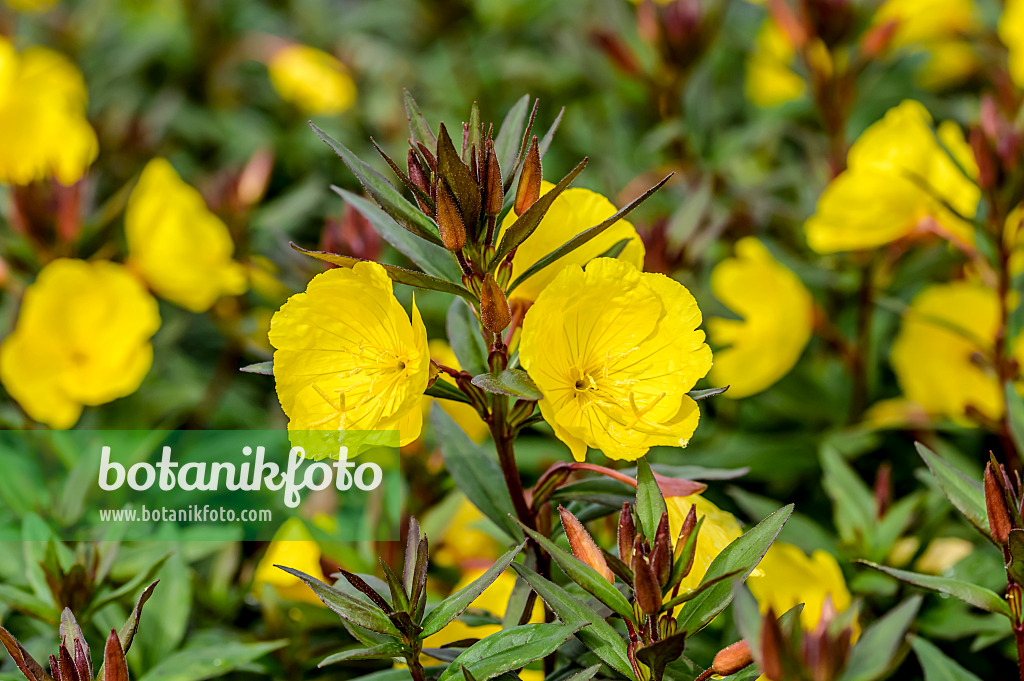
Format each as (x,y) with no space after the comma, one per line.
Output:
(942,553)
(1011,31)
(293,546)
(464,542)
(777,317)
(770,79)
(176,244)
(942,354)
(82,339)
(879,198)
(574,211)
(43,129)
(720,528)
(614,352)
(938,28)
(348,357)
(463,414)
(30,5)
(788,577)
(311,79)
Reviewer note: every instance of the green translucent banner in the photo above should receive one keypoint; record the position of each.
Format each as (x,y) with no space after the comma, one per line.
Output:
(199,485)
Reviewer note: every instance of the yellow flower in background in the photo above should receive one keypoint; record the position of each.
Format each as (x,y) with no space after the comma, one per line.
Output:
(720,528)
(614,352)
(1011,32)
(311,79)
(30,5)
(176,244)
(942,354)
(879,197)
(82,339)
(574,211)
(463,414)
(43,129)
(294,547)
(787,577)
(777,314)
(348,357)
(770,79)
(938,28)
(465,541)
(942,553)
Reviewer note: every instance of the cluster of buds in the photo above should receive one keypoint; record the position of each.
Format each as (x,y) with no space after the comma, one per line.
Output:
(73,661)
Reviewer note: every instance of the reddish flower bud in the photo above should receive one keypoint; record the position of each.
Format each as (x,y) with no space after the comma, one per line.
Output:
(529,181)
(449,220)
(627,533)
(494,191)
(731,659)
(995,504)
(771,648)
(494,310)
(645,585)
(661,553)
(582,544)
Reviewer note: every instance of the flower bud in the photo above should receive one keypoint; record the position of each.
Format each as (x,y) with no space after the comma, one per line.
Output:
(661,553)
(494,311)
(983,156)
(449,220)
(494,192)
(995,504)
(731,659)
(529,181)
(627,533)
(771,648)
(645,585)
(582,544)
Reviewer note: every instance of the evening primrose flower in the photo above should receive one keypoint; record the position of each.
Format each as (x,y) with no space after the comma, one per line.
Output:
(311,79)
(81,339)
(777,316)
(719,529)
(787,577)
(1011,31)
(942,354)
(882,195)
(177,245)
(614,352)
(938,28)
(43,129)
(770,79)
(574,211)
(349,357)
(294,546)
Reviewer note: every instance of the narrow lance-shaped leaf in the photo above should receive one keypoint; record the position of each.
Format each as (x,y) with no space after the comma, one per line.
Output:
(506,143)
(465,338)
(876,650)
(650,503)
(419,129)
(446,391)
(510,649)
(936,665)
(396,274)
(382,651)
(965,494)
(346,606)
(25,662)
(514,382)
(975,595)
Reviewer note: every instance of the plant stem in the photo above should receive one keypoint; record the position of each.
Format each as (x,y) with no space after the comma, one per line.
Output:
(503,442)
(1018,633)
(862,347)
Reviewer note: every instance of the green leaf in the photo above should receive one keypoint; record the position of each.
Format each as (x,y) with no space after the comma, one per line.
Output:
(650,503)
(876,650)
(975,595)
(391,201)
(465,337)
(265,368)
(853,501)
(1015,411)
(209,661)
(740,557)
(432,259)
(446,391)
(453,606)
(581,238)
(659,654)
(598,635)
(545,141)
(131,586)
(514,382)
(520,230)
(23,601)
(352,609)
(510,136)
(965,494)
(698,395)
(397,274)
(419,129)
(475,473)
(586,576)
(936,665)
(382,651)
(1015,563)
(510,649)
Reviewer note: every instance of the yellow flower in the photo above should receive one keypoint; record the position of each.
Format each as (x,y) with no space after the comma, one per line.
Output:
(312,80)
(1011,31)
(788,577)
(719,529)
(348,357)
(463,414)
(614,352)
(30,5)
(292,546)
(938,28)
(82,339)
(879,198)
(574,211)
(464,542)
(942,553)
(777,316)
(770,79)
(43,129)
(942,354)
(177,245)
